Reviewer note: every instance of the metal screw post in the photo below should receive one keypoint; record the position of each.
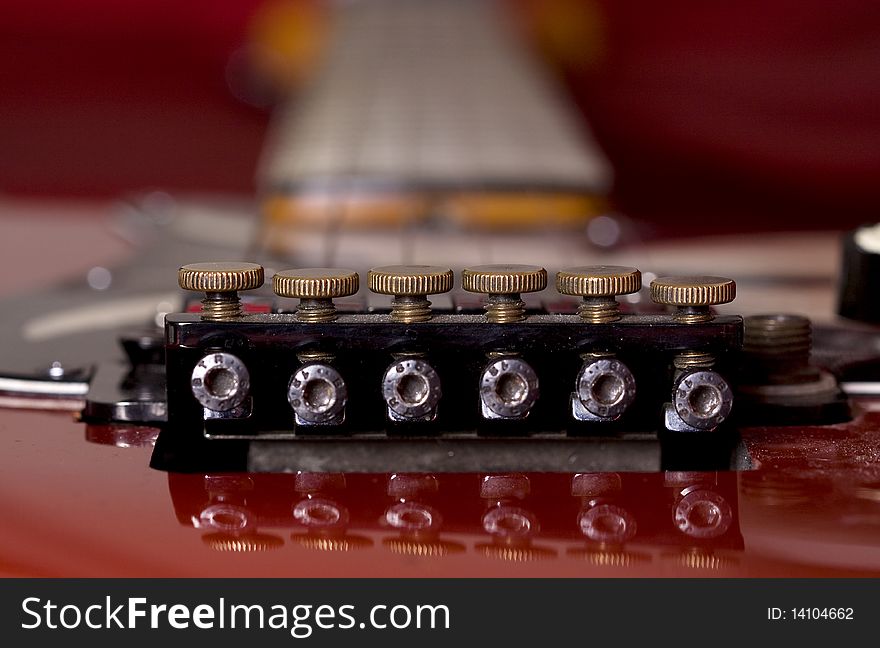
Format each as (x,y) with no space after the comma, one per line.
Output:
(220,282)
(504,284)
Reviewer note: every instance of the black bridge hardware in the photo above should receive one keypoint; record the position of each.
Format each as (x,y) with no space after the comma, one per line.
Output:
(458,347)
(604,388)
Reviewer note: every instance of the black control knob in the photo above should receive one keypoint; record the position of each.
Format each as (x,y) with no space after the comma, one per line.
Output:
(860,275)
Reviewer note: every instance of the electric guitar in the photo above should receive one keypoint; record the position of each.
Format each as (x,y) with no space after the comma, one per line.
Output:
(537,425)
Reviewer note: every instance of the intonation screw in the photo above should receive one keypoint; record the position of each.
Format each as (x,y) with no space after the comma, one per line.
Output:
(508,389)
(316,288)
(411,388)
(693,296)
(220,282)
(318,394)
(504,283)
(599,285)
(605,387)
(220,381)
(410,285)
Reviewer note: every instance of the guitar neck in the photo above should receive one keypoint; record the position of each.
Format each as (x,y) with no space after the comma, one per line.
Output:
(424,108)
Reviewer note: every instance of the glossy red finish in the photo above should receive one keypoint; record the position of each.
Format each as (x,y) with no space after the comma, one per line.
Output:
(91,507)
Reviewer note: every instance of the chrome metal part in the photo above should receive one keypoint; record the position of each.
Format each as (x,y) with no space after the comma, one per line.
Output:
(220,382)
(508,389)
(701,401)
(317,394)
(605,388)
(121,394)
(411,388)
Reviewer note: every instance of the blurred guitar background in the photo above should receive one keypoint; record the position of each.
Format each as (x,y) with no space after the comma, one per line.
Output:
(714,119)
(762,111)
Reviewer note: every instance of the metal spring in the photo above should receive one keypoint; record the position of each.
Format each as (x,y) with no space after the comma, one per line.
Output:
(692,314)
(599,310)
(502,309)
(219,307)
(410,308)
(693,360)
(316,310)
(314,355)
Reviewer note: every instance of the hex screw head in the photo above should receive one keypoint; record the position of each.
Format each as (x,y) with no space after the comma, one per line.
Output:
(220,382)
(411,388)
(702,399)
(508,389)
(317,394)
(606,387)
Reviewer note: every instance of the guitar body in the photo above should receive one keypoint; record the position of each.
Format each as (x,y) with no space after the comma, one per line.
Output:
(82,500)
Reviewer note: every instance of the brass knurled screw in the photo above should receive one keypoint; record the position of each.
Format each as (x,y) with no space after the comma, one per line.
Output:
(220,282)
(504,283)
(410,286)
(316,288)
(692,297)
(599,285)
